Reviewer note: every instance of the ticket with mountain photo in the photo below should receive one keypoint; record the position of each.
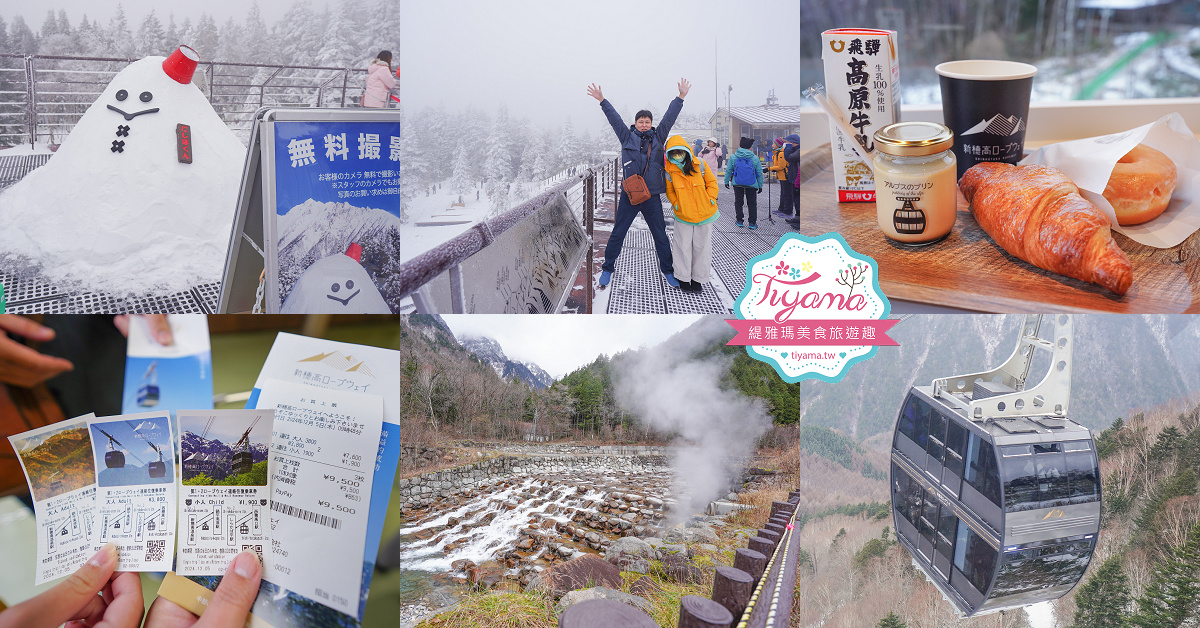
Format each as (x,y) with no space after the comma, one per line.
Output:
(57,460)
(224,491)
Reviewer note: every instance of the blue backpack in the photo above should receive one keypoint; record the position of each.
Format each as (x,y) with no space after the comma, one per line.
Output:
(743,173)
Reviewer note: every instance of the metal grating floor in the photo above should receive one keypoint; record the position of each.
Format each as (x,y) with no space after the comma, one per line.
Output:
(639,288)
(31,296)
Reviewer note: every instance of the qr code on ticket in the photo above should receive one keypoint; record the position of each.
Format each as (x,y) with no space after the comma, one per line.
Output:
(155,549)
(257,550)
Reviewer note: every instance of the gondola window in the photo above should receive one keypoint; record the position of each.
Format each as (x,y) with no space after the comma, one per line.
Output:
(974,557)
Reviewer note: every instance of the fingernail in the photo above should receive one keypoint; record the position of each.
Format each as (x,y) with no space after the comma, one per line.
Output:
(246,564)
(164,337)
(106,555)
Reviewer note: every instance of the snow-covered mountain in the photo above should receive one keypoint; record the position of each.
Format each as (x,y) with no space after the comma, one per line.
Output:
(490,352)
(332,226)
(314,230)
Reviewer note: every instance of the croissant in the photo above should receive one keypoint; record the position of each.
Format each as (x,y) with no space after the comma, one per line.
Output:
(1036,213)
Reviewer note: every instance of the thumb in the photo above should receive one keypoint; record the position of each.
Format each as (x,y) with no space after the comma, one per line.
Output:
(232,600)
(66,599)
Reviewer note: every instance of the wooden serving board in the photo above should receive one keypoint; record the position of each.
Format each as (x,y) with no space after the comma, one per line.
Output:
(968,270)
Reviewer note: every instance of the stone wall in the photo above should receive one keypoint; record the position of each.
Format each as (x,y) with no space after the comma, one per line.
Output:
(422,490)
(414,456)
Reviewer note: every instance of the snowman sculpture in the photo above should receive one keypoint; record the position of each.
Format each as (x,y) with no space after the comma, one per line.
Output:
(139,198)
(337,284)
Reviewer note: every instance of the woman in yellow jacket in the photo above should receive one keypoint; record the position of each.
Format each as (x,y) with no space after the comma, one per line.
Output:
(692,189)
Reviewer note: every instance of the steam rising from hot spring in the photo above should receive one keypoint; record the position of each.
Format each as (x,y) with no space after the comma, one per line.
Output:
(716,426)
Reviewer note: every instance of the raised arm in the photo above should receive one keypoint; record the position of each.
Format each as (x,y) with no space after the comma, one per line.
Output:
(668,119)
(614,119)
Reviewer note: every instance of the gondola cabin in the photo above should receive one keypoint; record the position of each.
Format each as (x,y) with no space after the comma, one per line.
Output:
(114,459)
(243,462)
(1000,507)
(147,395)
(157,469)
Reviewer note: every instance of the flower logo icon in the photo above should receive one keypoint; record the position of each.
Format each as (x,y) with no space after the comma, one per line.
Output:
(807,266)
(781,268)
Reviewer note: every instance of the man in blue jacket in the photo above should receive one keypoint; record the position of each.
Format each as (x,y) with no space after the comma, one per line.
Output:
(642,154)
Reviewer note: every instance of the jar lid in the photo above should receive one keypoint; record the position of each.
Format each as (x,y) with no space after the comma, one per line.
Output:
(913,139)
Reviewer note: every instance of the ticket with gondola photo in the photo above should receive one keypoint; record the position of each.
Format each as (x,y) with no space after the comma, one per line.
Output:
(57,460)
(135,489)
(224,493)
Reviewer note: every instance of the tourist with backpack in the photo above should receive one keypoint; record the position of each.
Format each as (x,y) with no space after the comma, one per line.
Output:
(692,189)
(745,170)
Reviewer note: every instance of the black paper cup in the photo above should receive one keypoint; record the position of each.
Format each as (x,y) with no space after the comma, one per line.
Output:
(986,104)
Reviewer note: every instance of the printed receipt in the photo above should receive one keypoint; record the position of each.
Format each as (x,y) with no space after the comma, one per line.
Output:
(57,460)
(135,489)
(224,491)
(323,449)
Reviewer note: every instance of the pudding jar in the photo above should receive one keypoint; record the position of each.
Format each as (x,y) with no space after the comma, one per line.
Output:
(916,190)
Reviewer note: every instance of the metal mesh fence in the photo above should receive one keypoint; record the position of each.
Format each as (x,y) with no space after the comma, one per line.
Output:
(42,97)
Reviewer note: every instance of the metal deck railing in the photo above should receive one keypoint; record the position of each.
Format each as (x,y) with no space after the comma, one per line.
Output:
(42,97)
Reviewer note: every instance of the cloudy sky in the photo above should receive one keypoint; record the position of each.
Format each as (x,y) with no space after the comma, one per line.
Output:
(561,344)
(538,56)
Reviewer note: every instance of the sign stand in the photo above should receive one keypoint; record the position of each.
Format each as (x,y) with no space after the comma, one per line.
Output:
(338,169)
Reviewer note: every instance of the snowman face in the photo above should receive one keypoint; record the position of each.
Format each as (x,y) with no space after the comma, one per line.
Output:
(337,287)
(122,98)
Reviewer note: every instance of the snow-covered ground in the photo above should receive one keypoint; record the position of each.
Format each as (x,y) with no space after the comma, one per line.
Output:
(444,214)
(1041,615)
(41,148)
(419,235)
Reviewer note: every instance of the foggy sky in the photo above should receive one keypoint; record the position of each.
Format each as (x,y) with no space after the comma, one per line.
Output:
(538,56)
(560,344)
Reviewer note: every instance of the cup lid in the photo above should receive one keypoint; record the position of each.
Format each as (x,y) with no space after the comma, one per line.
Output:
(913,139)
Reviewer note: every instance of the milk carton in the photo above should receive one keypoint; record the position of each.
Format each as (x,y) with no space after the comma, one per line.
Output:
(862,80)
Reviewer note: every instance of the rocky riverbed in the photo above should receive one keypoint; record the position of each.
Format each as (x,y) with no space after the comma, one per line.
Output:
(508,520)
(499,522)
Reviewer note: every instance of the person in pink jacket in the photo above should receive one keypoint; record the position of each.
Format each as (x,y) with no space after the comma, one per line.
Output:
(710,152)
(379,81)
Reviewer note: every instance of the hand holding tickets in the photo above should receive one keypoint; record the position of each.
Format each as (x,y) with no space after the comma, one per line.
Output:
(77,599)
(229,606)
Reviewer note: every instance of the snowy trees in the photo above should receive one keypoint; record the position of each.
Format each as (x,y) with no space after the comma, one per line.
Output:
(152,38)
(461,179)
(303,36)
